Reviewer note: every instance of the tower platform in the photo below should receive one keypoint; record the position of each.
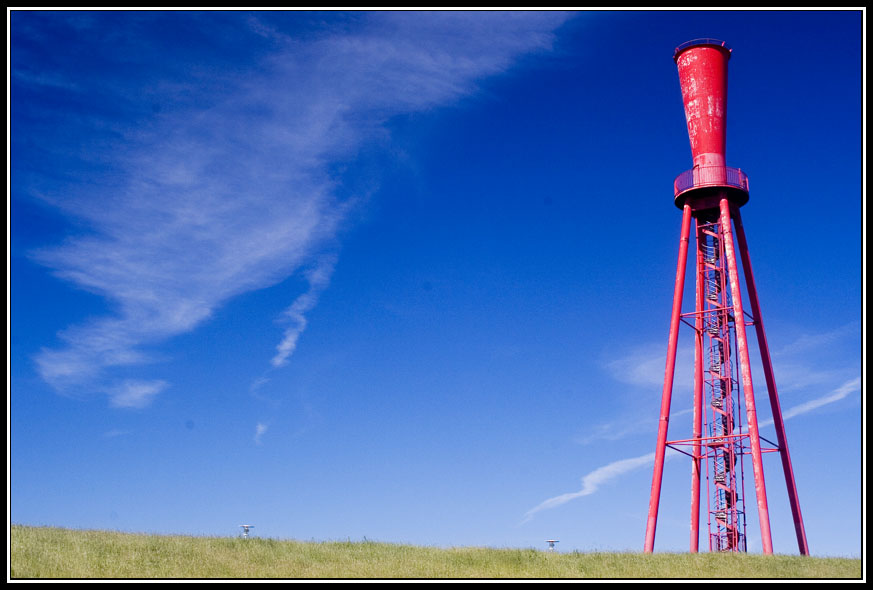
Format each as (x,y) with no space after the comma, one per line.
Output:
(703,187)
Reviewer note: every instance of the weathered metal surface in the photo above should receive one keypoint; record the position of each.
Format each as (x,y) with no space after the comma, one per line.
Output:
(712,194)
(697,421)
(710,176)
(667,392)
(703,70)
(703,187)
(779,424)
(748,388)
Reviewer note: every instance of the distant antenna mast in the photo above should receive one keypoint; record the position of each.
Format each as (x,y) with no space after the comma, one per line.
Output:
(245,528)
(551,543)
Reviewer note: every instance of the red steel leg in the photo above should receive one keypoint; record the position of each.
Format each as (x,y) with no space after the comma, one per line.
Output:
(771,387)
(745,368)
(698,399)
(667,392)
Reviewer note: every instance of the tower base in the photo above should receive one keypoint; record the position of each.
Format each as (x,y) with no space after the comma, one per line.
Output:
(722,375)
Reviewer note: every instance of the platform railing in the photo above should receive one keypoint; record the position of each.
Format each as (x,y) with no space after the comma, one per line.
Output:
(705,176)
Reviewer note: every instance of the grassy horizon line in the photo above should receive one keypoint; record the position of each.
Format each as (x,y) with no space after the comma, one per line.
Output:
(44,552)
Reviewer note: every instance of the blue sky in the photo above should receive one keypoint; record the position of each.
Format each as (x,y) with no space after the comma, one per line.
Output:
(407,276)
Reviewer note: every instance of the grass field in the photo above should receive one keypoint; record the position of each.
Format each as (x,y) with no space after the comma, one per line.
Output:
(43,552)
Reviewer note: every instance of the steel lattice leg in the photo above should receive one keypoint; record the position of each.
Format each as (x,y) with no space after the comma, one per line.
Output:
(779,424)
(748,389)
(669,371)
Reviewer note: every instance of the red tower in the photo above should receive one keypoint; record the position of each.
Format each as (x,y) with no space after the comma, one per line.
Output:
(724,430)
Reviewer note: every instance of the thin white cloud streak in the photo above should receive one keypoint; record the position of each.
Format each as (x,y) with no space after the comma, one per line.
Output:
(594,480)
(597,478)
(295,314)
(817,342)
(836,395)
(212,201)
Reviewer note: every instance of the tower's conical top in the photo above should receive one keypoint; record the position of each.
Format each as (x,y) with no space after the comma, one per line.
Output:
(703,71)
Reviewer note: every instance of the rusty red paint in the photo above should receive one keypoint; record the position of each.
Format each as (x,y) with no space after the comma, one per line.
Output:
(746,371)
(778,423)
(697,422)
(667,392)
(703,70)
(712,194)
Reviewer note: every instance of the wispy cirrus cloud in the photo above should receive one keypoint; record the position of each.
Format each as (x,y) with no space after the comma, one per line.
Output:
(260,430)
(132,393)
(593,480)
(806,364)
(228,185)
(295,315)
(841,392)
(620,429)
(642,367)
(815,342)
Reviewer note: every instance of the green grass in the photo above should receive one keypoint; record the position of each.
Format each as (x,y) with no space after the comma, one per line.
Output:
(43,552)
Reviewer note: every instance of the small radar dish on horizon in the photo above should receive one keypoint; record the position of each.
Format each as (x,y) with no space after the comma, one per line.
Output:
(245,528)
